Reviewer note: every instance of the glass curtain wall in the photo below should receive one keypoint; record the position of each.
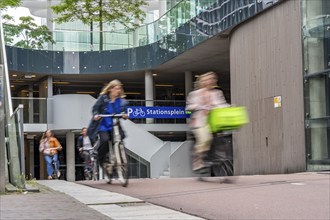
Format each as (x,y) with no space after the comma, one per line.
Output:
(76,36)
(316,46)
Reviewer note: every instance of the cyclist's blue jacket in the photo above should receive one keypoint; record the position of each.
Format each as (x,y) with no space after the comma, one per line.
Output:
(103,105)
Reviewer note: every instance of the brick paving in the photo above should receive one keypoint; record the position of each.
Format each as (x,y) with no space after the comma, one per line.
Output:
(47,204)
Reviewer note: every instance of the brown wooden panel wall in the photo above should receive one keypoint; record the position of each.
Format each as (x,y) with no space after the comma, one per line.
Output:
(266,61)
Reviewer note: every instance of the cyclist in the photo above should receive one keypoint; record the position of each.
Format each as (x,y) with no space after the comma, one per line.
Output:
(110,101)
(200,101)
(50,146)
(84,146)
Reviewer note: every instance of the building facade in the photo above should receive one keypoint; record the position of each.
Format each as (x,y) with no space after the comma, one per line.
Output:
(271,56)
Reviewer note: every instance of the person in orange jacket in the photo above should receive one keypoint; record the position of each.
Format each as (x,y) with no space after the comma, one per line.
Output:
(50,147)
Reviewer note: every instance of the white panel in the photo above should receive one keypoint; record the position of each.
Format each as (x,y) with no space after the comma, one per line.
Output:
(72,111)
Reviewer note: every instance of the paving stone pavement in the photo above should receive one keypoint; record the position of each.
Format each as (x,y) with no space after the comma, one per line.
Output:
(60,199)
(46,204)
(282,197)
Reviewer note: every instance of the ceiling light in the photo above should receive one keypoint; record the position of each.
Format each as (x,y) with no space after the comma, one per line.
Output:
(28,76)
(164,85)
(133,93)
(80,92)
(14,75)
(154,74)
(178,94)
(62,83)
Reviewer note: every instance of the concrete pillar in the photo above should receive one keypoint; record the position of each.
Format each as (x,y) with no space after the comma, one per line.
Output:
(188,80)
(49,102)
(162,7)
(149,92)
(45,108)
(70,157)
(31,110)
(50,87)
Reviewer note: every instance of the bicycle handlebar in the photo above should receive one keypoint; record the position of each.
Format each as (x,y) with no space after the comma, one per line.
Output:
(111,115)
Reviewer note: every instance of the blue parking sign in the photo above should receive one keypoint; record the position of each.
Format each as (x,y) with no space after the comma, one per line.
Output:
(157,112)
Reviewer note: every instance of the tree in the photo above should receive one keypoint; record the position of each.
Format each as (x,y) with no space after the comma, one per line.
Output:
(28,34)
(9,30)
(111,12)
(9,3)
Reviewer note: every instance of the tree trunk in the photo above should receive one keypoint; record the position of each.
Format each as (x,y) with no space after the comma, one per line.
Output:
(101,25)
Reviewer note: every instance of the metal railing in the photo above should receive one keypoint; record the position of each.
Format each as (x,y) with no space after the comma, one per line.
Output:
(11,136)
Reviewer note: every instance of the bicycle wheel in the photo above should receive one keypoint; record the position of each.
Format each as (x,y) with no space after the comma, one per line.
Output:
(55,173)
(87,174)
(222,167)
(94,170)
(109,168)
(124,165)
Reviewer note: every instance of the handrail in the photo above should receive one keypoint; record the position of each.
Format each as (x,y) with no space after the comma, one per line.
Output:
(12,135)
(317,74)
(16,110)
(19,111)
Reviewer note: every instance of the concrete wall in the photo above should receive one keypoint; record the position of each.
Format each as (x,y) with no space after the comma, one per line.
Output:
(180,161)
(140,141)
(266,61)
(159,161)
(72,111)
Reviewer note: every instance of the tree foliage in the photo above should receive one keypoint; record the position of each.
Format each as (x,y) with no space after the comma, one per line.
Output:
(27,33)
(9,3)
(110,12)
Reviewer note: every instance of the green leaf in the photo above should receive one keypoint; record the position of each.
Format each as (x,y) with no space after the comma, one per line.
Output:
(9,3)
(27,33)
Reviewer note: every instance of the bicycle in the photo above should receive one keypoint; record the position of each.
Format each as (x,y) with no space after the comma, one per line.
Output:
(91,172)
(219,159)
(56,173)
(117,166)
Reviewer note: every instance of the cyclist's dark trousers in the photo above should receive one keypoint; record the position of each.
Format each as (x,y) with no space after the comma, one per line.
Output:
(105,136)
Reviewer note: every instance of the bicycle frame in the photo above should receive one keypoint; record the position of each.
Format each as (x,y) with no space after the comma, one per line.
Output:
(219,160)
(55,168)
(118,157)
(91,172)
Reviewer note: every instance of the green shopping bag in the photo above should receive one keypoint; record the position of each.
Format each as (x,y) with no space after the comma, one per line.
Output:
(229,118)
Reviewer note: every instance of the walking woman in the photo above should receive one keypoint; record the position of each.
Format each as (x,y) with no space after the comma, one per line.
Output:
(50,147)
